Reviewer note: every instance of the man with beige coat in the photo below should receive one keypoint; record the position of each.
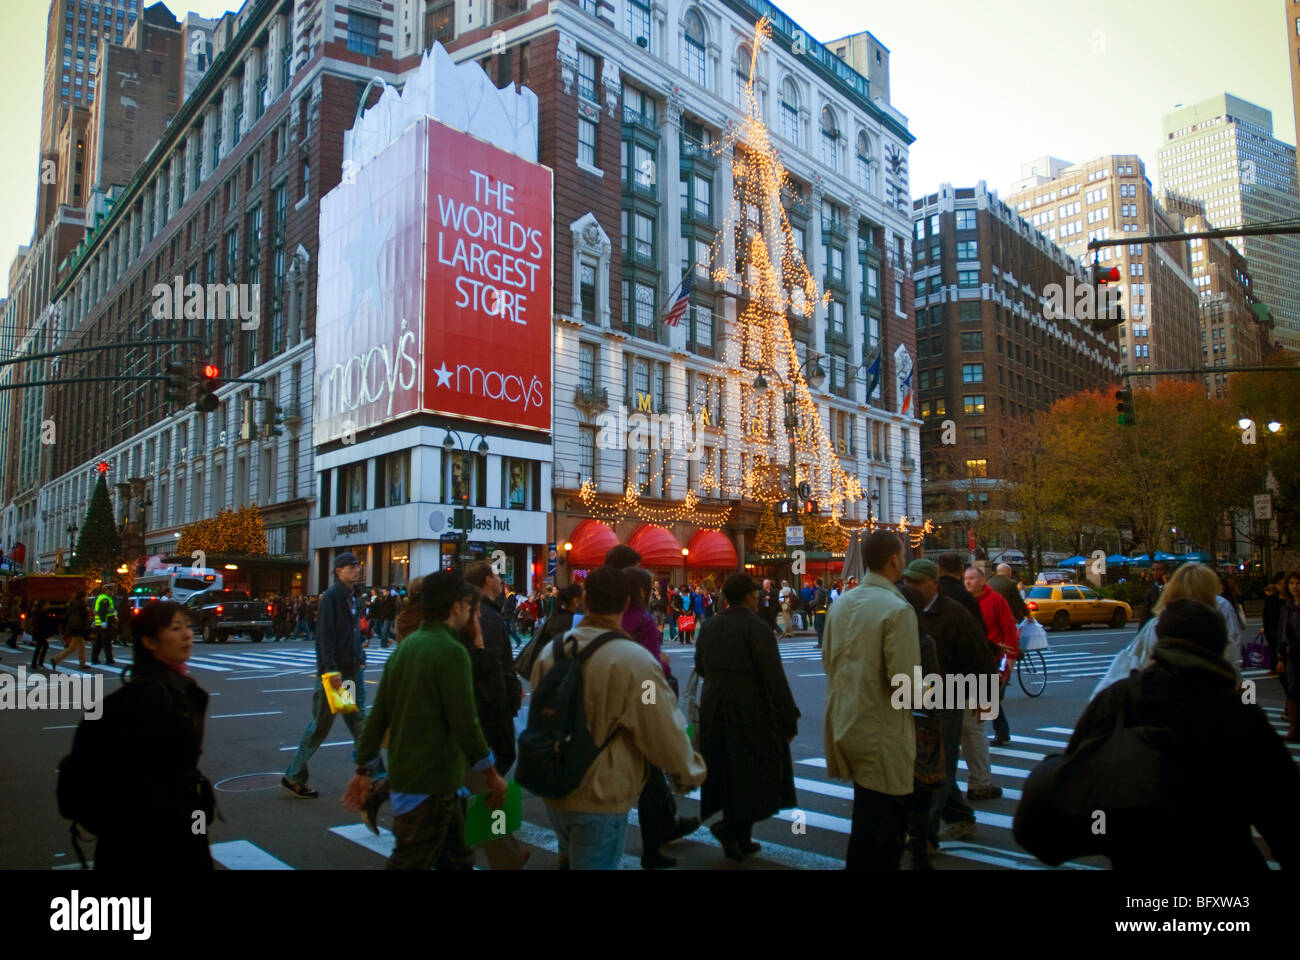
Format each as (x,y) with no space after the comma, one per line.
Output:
(623,689)
(871,637)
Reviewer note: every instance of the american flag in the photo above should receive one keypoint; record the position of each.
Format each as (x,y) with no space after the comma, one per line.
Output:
(680,305)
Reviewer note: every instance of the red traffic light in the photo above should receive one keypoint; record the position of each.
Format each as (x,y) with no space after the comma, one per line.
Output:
(211,371)
(102,466)
(1102,274)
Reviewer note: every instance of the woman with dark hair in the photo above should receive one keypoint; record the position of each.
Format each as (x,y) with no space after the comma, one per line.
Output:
(151,738)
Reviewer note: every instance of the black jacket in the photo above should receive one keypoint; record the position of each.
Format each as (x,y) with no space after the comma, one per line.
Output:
(747,717)
(1239,771)
(1007,588)
(150,742)
(497,691)
(1274,604)
(958,638)
(496,640)
(338,637)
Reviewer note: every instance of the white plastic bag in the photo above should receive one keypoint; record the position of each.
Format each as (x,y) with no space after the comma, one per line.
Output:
(1032,635)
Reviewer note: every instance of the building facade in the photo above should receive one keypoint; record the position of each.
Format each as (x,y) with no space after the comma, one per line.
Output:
(1222,152)
(989,348)
(1103,199)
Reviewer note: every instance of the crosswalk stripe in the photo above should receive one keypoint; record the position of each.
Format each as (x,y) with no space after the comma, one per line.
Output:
(1066,730)
(243,855)
(1039,740)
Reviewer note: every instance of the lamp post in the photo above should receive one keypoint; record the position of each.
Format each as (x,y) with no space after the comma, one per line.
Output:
(72,533)
(1265,522)
(466,515)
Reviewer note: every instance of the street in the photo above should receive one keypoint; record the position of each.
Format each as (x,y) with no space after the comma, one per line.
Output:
(260,704)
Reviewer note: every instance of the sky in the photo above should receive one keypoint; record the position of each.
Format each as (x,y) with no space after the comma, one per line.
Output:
(985,84)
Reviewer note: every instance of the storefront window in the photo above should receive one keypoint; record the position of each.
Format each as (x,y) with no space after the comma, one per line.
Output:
(393,479)
(518,477)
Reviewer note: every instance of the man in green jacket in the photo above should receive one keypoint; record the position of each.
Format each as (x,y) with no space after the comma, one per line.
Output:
(425,706)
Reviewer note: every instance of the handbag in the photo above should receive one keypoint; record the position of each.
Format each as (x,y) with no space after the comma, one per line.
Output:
(339,698)
(1032,636)
(1254,655)
(686,623)
(690,702)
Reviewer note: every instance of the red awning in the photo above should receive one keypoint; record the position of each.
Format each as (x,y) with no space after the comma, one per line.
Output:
(591,540)
(712,550)
(658,547)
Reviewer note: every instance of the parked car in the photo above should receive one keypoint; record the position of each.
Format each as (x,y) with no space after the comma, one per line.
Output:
(1065,606)
(222,614)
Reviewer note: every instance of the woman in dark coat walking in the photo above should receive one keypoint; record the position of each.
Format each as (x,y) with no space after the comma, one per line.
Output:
(747,720)
(148,745)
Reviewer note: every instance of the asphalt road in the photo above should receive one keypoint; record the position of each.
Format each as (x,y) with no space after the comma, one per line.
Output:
(261,695)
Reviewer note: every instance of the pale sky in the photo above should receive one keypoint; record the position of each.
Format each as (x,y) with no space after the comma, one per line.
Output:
(985,84)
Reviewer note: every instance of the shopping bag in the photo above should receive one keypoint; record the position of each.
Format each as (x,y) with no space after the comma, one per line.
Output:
(798,620)
(483,825)
(1254,655)
(686,623)
(1032,635)
(341,700)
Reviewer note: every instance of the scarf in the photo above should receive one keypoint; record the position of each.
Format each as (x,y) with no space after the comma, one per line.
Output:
(1186,655)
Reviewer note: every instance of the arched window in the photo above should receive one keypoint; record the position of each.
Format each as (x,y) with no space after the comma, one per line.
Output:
(744,56)
(830,139)
(864,161)
(790,112)
(693,60)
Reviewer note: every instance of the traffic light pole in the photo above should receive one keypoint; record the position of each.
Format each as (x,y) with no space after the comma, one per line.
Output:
(1258,231)
(70,351)
(1200,371)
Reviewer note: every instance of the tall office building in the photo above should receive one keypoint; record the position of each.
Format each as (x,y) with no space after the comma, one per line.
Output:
(1103,199)
(72,37)
(1292,10)
(1222,152)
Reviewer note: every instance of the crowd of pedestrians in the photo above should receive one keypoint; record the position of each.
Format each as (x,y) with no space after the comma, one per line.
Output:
(443,721)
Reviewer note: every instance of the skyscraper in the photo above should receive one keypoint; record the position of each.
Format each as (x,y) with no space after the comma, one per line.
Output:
(1292,10)
(1222,152)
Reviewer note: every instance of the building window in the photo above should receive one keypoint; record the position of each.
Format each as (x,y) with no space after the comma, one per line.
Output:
(586,454)
(973,405)
(972,342)
(693,59)
(645,305)
(965,219)
(968,250)
(864,162)
(790,128)
(968,279)
(638,24)
(830,139)
(363,34)
(587,76)
(972,373)
(645,239)
(977,468)
(703,199)
(518,475)
(702,333)
(586,142)
(587,367)
(587,290)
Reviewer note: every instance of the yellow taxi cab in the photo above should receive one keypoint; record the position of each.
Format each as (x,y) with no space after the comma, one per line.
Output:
(1066,605)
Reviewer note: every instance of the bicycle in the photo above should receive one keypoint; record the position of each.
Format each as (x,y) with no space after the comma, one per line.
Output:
(1031,671)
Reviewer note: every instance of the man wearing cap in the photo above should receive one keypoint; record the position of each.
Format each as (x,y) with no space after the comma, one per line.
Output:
(962,652)
(338,650)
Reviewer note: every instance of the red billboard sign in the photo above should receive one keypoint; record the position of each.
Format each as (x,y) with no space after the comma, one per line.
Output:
(487,353)
(434,287)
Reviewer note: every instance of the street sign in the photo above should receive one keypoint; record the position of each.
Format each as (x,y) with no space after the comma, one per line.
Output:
(552,560)
(794,535)
(1263,506)
(805,491)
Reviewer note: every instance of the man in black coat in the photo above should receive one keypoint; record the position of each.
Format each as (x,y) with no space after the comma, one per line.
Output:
(1004,585)
(748,719)
(963,652)
(500,691)
(952,586)
(338,650)
(1233,770)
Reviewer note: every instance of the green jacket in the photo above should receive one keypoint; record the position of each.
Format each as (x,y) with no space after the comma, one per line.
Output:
(425,704)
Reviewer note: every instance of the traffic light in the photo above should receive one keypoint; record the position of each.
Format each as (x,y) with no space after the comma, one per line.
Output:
(784,508)
(811,506)
(272,418)
(176,386)
(1124,406)
(209,375)
(1108,311)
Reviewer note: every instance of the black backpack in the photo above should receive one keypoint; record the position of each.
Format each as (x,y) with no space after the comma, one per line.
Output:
(83,790)
(556,749)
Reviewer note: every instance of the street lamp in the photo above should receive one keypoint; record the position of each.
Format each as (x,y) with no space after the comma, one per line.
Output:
(449,444)
(1274,427)
(72,533)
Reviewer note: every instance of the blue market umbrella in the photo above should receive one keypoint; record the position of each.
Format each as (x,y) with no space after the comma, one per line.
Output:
(1162,557)
(1117,560)
(1141,560)
(1075,561)
(1196,558)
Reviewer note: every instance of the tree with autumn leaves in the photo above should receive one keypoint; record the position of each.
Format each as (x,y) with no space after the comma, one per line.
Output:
(1075,476)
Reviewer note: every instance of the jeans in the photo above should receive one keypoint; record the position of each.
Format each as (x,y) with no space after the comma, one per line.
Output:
(589,841)
(819,624)
(975,747)
(321,722)
(876,837)
(1000,726)
(433,834)
(384,631)
(38,654)
(949,805)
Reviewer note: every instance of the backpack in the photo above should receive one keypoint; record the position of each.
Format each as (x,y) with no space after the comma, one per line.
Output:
(556,749)
(1132,774)
(82,788)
